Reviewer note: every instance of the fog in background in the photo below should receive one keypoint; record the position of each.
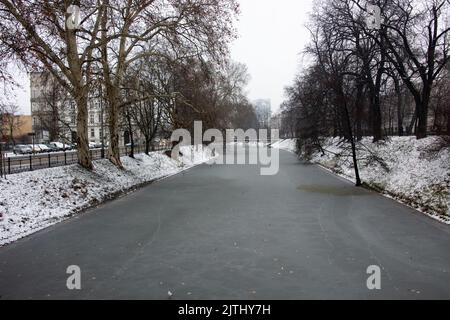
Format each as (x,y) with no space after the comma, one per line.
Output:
(272,38)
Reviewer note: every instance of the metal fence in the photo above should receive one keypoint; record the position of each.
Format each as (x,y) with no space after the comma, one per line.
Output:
(16,164)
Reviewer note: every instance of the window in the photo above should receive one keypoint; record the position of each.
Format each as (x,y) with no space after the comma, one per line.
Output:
(100,118)
(72,119)
(92,133)
(91,118)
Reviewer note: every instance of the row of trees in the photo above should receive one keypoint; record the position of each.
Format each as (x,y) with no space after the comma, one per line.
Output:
(400,72)
(182,93)
(365,81)
(142,57)
(167,95)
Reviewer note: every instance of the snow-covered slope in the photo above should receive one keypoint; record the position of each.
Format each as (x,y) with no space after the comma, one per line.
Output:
(32,201)
(415,172)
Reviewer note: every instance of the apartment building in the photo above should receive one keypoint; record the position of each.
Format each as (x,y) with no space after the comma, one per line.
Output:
(54,114)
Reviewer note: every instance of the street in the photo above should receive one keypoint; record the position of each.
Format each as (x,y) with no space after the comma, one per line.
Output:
(226,232)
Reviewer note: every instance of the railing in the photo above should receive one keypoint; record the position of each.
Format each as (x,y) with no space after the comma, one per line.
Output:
(22,163)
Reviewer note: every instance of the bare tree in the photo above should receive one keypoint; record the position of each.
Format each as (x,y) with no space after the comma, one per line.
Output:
(39,34)
(336,67)
(415,38)
(52,108)
(440,104)
(134,30)
(146,113)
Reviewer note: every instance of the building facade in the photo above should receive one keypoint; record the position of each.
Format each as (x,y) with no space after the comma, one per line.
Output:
(15,129)
(54,114)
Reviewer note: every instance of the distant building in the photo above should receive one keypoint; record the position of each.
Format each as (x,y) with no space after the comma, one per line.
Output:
(263,112)
(15,128)
(54,114)
(50,108)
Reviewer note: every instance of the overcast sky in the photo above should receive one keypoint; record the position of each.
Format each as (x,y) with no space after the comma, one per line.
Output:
(272,38)
(21,96)
(272,35)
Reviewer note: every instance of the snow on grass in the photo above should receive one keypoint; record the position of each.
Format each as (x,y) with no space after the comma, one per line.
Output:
(32,201)
(415,172)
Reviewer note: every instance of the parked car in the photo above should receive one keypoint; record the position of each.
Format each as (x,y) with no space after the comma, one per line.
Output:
(73,146)
(59,146)
(44,148)
(52,148)
(22,149)
(35,148)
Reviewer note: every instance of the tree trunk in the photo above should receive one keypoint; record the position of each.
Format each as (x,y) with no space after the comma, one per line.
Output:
(132,145)
(130,128)
(359,106)
(352,142)
(412,124)
(84,157)
(422,114)
(147,146)
(349,131)
(376,118)
(422,125)
(398,91)
(112,96)
(11,130)
(113,125)
(345,133)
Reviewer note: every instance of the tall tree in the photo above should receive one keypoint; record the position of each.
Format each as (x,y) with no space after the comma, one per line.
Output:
(415,36)
(138,29)
(42,35)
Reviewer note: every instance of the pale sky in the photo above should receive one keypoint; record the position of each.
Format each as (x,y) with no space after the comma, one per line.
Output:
(20,96)
(272,35)
(272,38)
